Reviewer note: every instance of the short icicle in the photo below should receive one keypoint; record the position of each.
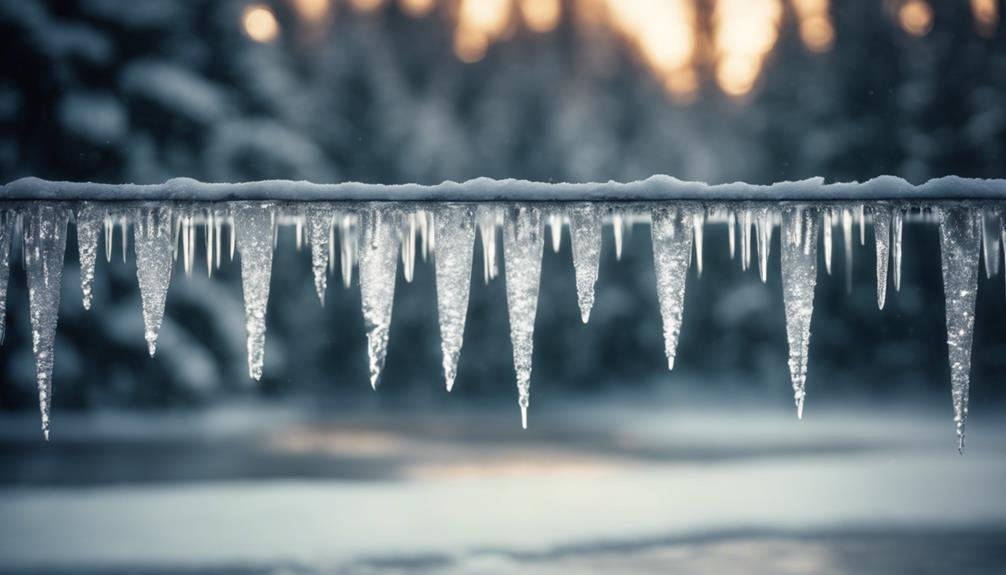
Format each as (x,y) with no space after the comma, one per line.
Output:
(44,246)
(799,278)
(6,234)
(764,225)
(522,249)
(698,223)
(847,243)
(991,228)
(897,226)
(89,220)
(882,233)
(319,229)
(152,231)
(671,231)
(829,224)
(618,231)
(378,267)
(348,248)
(487,218)
(454,229)
(585,234)
(960,244)
(555,231)
(254,225)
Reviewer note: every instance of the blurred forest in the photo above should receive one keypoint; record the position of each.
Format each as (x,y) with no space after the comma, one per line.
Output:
(146,90)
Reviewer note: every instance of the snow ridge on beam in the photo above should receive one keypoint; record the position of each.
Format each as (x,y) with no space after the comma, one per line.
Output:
(655,188)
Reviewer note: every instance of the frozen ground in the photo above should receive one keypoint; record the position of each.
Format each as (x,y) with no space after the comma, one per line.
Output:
(631,489)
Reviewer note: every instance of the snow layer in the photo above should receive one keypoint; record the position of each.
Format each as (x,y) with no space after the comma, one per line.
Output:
(654,188)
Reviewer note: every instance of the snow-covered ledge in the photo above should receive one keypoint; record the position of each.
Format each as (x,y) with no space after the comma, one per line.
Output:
(368,228)
(655,188)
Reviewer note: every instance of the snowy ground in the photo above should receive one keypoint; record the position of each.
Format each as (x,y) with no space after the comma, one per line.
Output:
(634,489)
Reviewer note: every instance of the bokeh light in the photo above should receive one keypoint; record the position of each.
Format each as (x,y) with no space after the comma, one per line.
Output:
(260,23)
(744,32)
(986,13)
(417,8)
(313,10)
(541,15)
(916,17)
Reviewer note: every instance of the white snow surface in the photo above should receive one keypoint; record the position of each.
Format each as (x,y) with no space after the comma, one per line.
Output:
(655,188)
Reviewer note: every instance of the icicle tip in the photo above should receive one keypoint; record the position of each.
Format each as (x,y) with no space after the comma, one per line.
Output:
(523,417)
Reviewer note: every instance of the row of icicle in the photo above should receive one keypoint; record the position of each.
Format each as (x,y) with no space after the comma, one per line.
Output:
(373,237)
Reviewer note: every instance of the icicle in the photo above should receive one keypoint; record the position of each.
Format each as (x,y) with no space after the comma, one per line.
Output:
(424,225)
(861,220)
(319,223)
(233,238)
(585,237)
(487,217)
(991,229)
(882,233)
(44,246)
(187,245)
(348,243)
(847,238)
(618,229)
(208,228)
(89,220)
(960,238)
(254,225)
(153,244)
(746,222)
(671,231)
(123,230)
(897,224)
(522,248)
(378,266)
(298,231)
(828,239)
(799,277)
(409,247)
(698,222)
(454,227)
(6,233)
(555,230)
(732,233)
(109,236)
(218,239)
(764,226)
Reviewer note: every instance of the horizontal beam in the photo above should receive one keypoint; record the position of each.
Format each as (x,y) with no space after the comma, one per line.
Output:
(655,188)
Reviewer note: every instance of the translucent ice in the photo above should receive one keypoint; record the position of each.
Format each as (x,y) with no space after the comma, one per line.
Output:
(671,231)
(960,244)
(799,278)
(378,267)
(44,246)
(522,247)
(585,231)
(454,229)
(255,224)
(153,240)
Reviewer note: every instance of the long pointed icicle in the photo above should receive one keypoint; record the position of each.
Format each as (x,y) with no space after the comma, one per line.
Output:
(671,231)
(454,229)
(6,233)
(44,247)
(319,223)
(799,278)
(523,243)
(585,234)
(255,224)
(154,259)
(89,223)
(378,268)
(882,233)
(960,244)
